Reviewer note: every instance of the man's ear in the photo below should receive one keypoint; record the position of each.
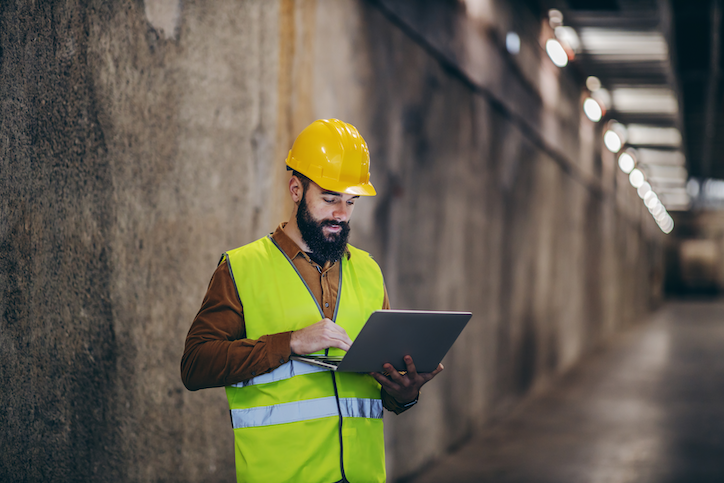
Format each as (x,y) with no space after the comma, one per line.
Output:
(296,190)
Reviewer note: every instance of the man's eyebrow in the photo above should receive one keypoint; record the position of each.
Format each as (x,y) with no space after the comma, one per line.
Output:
(335,193)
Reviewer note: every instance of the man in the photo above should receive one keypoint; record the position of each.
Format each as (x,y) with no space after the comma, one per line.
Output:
(301,290)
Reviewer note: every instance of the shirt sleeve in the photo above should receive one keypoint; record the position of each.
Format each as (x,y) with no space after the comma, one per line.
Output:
(217,352)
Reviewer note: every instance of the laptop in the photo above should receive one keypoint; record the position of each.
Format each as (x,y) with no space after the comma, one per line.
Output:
(389,335)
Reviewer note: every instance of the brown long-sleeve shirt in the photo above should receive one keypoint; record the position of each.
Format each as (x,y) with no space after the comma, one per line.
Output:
(217,352)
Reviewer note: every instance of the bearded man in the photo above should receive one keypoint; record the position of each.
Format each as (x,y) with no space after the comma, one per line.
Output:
(301,290)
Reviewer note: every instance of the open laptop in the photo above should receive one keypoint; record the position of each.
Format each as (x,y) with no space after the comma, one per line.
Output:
(389,335)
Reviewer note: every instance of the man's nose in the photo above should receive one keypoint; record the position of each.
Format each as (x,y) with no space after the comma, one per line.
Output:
(342,213)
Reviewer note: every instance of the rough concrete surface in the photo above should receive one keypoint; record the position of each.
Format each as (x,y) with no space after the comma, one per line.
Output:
(138,141)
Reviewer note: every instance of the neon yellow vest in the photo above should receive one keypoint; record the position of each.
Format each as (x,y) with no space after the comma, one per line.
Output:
(300,422)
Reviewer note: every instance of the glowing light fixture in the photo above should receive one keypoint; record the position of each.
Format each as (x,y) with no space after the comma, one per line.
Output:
(692,188)
(643,189)
(636,178)
(556,52)
(568,36)
(555,18)
(667,225)
(612,141)
(592,109)
(593,83)
(626,162)
(512,43)
(603,97)
(651,200)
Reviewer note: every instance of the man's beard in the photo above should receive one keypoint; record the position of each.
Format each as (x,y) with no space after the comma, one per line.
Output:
(324,248)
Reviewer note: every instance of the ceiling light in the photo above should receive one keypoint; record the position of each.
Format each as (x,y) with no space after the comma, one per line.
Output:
(612,141)
(555,18)
(593,83)
(556,52)
(603,97)
(651,200)
(643,189)
(667,225)
(592,109)
(568,36)
(636,178)
(626,162)
(692,188)
(512,43)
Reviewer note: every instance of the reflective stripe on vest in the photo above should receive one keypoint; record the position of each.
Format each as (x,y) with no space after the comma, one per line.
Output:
(285,371)
(305,410)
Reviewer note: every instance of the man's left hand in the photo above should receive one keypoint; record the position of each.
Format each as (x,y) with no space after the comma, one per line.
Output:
(404,387)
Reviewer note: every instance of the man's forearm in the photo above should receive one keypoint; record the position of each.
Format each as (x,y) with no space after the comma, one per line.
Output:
(215,363)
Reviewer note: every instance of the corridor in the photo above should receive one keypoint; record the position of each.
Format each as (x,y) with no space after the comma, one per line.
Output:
(649,407)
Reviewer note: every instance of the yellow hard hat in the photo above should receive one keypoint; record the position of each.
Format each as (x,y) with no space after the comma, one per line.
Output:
(333,154)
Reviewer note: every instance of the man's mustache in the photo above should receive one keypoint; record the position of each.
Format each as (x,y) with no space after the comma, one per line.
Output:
(342,224)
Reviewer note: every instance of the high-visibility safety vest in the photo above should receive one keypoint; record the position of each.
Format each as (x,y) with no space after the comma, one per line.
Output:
(300,422)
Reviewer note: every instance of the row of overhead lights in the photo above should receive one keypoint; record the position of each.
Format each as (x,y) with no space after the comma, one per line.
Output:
(561,50)
(614,139)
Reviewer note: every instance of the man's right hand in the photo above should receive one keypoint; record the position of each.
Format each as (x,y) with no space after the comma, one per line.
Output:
(322,335)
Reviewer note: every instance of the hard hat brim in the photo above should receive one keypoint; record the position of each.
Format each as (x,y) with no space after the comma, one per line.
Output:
(357,190)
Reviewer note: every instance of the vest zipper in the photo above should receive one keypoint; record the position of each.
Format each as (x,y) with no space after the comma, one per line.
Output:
(341,444)
(334,382)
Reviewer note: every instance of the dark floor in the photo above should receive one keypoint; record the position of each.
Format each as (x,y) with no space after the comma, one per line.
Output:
(650,408)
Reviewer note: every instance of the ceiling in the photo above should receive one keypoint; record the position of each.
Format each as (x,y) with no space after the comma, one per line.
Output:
(660,65)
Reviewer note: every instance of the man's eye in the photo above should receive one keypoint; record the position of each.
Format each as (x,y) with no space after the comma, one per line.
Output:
(329,200)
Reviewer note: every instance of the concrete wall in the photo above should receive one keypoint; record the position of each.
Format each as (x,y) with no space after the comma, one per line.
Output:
(140,140)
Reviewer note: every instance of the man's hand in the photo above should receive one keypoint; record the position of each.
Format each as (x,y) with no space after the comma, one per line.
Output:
(404,388)
(322,335)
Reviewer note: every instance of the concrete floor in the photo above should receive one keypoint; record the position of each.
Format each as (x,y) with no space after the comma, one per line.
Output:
(648,408)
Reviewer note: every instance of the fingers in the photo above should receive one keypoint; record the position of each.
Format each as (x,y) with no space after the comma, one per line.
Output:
(394,374)
(321,335)
(404,387)
(340,343)
(410,366)
(337,336)
(384,381)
